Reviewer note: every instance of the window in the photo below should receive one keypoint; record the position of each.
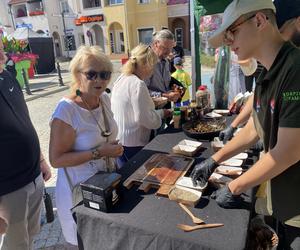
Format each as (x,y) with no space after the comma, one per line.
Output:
(145,35)
(143,1)
(112,2)
(64,6)
(91,3)
(81,39)
(20,10)
(112,42)
(121,41)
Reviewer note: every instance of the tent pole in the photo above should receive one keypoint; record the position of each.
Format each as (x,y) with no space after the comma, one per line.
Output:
(196,11)
(192,30)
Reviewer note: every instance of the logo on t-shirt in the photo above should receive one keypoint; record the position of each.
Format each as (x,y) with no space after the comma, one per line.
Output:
(291,96)
(257,108)
(272,105)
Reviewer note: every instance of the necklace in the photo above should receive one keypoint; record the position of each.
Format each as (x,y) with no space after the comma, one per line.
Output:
(104,132)
(110,167)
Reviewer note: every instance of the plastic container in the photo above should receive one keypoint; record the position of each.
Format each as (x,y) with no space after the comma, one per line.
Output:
(176,118)
(202,98)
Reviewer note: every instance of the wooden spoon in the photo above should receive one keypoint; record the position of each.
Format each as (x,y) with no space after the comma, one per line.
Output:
(195,219)
(188,228)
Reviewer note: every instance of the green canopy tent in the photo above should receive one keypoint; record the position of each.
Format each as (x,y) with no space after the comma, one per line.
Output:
(200,8)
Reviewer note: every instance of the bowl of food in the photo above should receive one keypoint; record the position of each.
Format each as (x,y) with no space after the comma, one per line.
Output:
(205,129)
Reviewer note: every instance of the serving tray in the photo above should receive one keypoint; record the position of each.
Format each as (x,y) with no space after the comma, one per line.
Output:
(160,171)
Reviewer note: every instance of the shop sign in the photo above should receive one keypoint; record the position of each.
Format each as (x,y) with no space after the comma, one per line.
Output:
(69,31)
(88,19)
(24,25)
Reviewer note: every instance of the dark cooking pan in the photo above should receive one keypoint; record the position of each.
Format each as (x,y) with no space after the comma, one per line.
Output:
(216,125)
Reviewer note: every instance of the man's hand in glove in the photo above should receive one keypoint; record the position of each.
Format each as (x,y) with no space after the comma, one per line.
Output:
(203,171)
(226,199)
(227,134)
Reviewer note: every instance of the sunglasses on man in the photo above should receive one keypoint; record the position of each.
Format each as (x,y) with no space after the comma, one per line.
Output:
(92,75)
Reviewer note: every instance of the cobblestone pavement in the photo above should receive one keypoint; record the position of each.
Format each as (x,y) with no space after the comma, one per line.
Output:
(45,95)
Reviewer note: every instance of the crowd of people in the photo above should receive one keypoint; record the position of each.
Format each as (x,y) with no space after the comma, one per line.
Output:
(89,129)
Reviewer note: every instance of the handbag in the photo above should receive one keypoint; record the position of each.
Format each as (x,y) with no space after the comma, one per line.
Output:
(76,190)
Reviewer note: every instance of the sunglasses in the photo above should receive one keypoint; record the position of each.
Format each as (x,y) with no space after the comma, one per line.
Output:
(92,75)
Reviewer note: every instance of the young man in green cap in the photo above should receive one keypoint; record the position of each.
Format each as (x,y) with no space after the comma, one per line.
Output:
(249,28)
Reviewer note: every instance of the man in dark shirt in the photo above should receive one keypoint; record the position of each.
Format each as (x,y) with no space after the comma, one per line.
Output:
(288,22)
(249,28)
(22,167)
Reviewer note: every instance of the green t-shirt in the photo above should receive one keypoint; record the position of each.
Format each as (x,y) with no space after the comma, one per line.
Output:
(277,104)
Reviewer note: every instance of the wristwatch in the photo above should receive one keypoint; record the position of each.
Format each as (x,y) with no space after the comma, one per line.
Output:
(96,154)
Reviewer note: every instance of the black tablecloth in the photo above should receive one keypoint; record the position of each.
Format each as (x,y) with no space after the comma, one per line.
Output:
(146,221)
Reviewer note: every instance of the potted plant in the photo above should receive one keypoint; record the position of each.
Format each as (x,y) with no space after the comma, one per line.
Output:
(18,51)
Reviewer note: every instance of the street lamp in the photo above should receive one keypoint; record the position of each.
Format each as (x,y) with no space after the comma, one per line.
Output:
(65,32)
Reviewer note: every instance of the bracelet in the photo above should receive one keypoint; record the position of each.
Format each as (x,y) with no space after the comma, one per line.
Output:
(95,154)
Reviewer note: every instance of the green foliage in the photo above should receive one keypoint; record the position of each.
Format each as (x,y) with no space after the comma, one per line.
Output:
(207,60)
(14,46)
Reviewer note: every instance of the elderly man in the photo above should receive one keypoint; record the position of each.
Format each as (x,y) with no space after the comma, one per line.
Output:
(22,170)
(159,83)
(249,28)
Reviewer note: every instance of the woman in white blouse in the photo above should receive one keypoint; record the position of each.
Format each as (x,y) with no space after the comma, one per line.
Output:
(83,131)
(133,108)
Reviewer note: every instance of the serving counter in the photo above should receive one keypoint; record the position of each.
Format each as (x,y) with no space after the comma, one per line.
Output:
(147,221)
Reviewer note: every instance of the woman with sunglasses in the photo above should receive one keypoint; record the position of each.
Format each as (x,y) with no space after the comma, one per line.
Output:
(83,131)
(133,108)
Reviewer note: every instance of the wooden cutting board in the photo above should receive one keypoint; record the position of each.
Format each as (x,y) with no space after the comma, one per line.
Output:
(160,171)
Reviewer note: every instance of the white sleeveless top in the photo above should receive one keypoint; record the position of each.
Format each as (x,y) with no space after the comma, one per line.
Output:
(88,136)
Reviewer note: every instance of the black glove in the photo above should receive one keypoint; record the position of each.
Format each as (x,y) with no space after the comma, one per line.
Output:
(203,171)
(259,146)
(227,134)
(226,199)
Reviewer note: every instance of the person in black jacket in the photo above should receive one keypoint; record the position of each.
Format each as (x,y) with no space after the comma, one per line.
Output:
(10,66)
(176,52)
(23,168)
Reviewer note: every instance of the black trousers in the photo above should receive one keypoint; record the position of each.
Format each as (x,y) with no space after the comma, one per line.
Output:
(291,238)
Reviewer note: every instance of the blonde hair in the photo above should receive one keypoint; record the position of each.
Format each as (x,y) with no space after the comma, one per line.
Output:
(82,56)
(141,55)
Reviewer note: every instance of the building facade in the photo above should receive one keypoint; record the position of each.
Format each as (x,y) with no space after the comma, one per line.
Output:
(179,22)
(61,15)
(90,23)
(29,14)
(118,26)
(6,21)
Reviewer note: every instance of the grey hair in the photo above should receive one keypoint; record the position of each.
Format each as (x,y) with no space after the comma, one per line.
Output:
(164,34)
